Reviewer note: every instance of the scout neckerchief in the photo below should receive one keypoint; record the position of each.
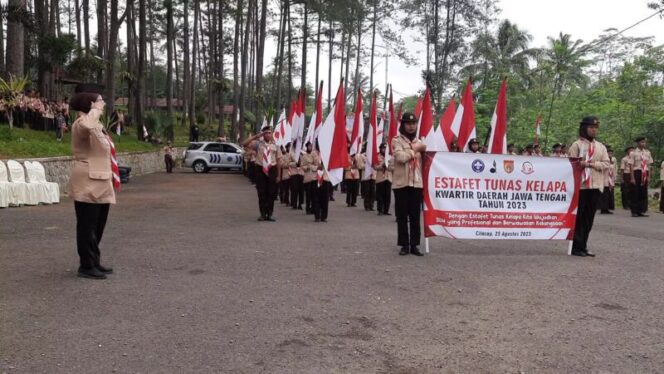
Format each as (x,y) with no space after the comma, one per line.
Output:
(644,167)
(413,164)
(587,173)
(114,164)
(266,158)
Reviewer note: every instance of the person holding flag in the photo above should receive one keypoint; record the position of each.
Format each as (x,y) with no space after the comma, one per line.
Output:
(383,182)
(296,177)
(594,160)
(284,182)
(266,171)
(309,167)
(352,179)
(322,187)
(407,184)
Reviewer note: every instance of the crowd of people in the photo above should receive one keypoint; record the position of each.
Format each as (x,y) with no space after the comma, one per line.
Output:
(304,184)
(39,113)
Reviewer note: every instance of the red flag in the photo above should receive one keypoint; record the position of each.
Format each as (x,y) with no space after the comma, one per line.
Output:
(418,107)
(538,129)
(498,139)
(426,116)
(372,139)
(319,108)
(393,127)
(358,127)
(464,121)
(339,157)
(446,123)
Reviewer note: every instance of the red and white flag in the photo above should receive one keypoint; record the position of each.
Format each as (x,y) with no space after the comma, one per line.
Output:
(463,125)
(332,139)
(280,130)
(299,123)
(114,164)
(372,139)
(358,128)
(498,138)
(446,124)
(538,129)
(393,128)
(418,107)
(316,118)
(432,138)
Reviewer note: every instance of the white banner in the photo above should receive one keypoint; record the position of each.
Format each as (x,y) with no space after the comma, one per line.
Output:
(486,196)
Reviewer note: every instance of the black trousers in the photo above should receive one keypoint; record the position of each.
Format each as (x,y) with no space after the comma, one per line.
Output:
(321,199)
(639,194)
(607,201)
(297,190)
(266,187)
(661,198)
(168,159)
(585,216)
(90,224)
(284,191)
(251,171)
(309,190)
(624,190)
(407,204)
(369,194)
(384,196)
(352,186)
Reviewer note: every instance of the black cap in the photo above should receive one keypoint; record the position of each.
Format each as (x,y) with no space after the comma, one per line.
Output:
(589,121)
(640,138)
(510,145)
(408,118)
(473,141)
(557,145)
(609,149)
(266,128)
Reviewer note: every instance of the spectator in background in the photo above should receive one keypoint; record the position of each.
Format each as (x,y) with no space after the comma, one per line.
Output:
(60,125)
(169,154)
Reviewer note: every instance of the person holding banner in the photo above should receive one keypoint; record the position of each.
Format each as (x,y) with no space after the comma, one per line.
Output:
(407,184)
(473,146)
(594,160)
(266,172)
(640,177)
(383,183)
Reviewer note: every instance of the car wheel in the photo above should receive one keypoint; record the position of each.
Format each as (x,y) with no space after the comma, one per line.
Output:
(200,167)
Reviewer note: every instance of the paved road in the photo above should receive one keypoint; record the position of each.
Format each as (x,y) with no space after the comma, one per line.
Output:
(200,286)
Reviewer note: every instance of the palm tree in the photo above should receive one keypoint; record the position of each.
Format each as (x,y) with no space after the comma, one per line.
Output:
(566,61)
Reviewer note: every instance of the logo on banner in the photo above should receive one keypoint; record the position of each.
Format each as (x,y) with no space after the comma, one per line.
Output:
(527,168)
(478,166)
(493,169)
(508,165)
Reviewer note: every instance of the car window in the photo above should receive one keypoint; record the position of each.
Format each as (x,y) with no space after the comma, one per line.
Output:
(229,148)
(214,147)
(194,146)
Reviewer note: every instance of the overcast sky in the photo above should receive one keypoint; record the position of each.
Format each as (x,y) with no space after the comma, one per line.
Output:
(583,19)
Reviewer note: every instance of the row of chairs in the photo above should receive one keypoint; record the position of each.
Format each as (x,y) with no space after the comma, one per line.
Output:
(19,186)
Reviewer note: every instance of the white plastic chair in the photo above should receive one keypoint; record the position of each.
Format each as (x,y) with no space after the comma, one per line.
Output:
(5,187)
(52,188)
(22,192)
(34,182)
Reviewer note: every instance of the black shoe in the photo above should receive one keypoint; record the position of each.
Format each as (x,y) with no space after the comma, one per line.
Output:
(579,253)
(643,215)
(317,220)
(415,251)
(589,254)
(269,218)
(387,213)
(92,273)
(104,269)
(380,213)
(371,209)
(636,215)
(331,199)
(260,219)
(404,251)
(323,220)
(605,212)
(299,208)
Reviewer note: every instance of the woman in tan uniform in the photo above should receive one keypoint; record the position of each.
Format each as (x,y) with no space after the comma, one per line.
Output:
(91,182)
